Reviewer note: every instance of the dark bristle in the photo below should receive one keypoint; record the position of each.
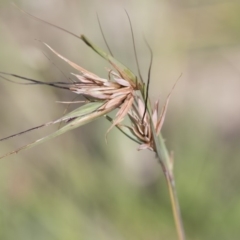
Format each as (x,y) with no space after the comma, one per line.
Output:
(148,80)
(100,26)
(20,133)
(34,82)
(48,23)
(67,78)
(134,46)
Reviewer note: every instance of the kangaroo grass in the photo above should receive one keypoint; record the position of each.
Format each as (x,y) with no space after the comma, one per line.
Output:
(121,91)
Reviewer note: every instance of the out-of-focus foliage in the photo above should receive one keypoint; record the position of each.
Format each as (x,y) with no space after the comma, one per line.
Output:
(76,186)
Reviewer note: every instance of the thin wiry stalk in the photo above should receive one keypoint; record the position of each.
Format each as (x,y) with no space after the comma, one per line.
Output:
(104,38)
(48,23)
(20,133)
(34,82)
(66,109)
(64,75)
(148,79)
(71,102)
(134,47)
(120,129)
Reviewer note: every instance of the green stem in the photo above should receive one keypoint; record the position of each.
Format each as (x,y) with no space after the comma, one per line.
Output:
(175,207)
(167,166)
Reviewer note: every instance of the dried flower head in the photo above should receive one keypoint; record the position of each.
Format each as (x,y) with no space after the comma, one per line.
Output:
(116,92)
(141,121)
(141,127)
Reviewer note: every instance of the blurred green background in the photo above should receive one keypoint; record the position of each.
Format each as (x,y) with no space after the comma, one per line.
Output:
(76,186)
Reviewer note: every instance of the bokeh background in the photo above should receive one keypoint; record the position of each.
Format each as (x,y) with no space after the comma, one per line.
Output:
(76,186)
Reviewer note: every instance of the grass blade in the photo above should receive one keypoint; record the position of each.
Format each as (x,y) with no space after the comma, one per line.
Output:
(110,58)
(78,117)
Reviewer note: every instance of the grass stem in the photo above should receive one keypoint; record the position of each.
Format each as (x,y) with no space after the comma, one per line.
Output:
(175,207)
(167,167)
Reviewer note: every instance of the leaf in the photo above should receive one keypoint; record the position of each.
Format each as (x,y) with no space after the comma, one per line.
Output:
(83,115)
(111,59)
(81,111)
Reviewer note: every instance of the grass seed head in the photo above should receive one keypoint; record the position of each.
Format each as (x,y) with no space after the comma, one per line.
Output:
(141,128)
(117,91)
